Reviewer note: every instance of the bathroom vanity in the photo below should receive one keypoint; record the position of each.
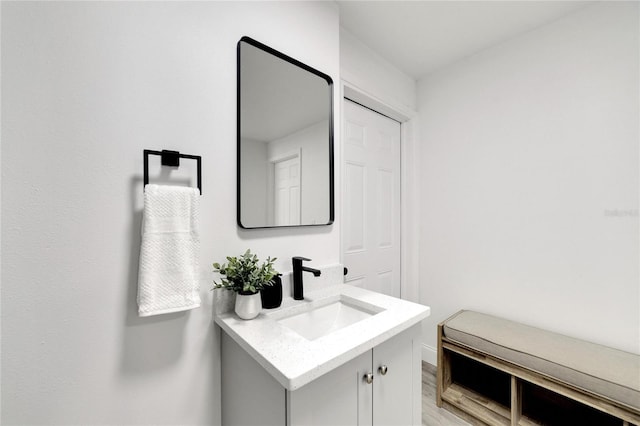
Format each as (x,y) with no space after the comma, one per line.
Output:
(343,356)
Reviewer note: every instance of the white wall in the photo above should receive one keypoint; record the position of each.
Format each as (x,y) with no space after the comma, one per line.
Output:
(367,71)
(86,87)
(527,149)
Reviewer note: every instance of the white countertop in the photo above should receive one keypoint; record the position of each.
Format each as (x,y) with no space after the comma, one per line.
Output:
(295,361)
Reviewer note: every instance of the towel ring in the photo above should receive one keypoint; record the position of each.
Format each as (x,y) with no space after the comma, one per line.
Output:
(171,159)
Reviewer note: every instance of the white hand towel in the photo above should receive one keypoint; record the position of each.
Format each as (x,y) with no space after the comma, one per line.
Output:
(168,274)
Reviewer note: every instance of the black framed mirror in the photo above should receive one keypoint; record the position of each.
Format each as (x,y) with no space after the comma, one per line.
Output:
(284,141)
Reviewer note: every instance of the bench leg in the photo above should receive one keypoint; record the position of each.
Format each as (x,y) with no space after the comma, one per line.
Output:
(443,379)
(516,401)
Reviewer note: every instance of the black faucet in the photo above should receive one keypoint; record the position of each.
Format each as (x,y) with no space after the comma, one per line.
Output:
(298,293)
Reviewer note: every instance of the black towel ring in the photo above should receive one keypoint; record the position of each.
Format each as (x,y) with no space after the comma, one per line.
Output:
(171,159)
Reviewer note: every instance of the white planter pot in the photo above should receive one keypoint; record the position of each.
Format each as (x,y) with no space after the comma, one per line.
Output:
(248,306)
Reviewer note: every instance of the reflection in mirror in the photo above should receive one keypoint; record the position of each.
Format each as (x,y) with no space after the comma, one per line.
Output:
(285,140)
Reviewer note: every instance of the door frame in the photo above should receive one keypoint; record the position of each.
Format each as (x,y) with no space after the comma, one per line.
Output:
(409,190)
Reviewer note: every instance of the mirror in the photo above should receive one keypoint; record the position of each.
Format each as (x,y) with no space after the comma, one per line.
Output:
(285,140)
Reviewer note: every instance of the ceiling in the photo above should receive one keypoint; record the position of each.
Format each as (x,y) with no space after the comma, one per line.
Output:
(419,37)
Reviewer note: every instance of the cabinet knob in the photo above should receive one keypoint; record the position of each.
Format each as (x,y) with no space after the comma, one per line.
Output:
(368,378)
(382,369)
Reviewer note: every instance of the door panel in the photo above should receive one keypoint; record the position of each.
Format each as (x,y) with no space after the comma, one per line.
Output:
(354,209)
(371,206)
(287,192)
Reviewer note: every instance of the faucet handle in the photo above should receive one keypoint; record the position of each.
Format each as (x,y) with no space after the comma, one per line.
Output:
(300,258)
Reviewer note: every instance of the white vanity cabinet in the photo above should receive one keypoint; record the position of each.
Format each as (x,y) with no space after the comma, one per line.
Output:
(342,396)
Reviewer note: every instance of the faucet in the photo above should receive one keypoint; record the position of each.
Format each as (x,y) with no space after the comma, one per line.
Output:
(298,293)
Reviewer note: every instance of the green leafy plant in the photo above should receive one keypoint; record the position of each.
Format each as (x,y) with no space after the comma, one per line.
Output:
(244,275)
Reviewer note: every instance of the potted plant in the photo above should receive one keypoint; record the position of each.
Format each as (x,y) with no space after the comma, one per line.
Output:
(245,276)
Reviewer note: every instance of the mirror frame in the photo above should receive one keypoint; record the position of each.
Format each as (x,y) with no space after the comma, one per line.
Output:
(307,68)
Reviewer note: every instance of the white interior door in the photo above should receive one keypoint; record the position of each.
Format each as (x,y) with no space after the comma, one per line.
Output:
(287,191)
(371,203)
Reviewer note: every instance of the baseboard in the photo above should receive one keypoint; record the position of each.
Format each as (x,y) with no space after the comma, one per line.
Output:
(429,354)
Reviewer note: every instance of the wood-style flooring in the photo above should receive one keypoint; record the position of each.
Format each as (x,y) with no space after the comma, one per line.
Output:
(431,414)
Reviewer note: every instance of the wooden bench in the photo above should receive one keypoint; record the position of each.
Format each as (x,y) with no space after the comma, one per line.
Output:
(499,372)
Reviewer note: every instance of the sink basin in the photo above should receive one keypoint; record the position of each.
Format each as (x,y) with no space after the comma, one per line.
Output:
(319,321)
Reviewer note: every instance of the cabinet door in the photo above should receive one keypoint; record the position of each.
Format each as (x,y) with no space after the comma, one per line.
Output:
(396,394)
(341,397)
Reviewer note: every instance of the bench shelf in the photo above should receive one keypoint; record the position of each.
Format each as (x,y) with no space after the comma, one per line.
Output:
(486,390)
